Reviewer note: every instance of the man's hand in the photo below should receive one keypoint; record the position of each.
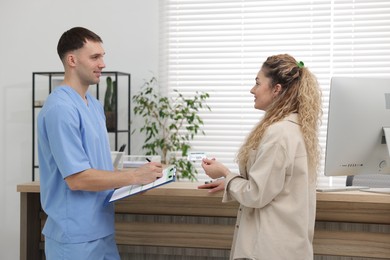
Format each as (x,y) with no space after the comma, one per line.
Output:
(148,173)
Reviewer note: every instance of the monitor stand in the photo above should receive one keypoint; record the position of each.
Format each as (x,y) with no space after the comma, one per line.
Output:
(386,133)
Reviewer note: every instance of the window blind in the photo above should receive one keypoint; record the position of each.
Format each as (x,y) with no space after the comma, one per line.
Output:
(218,47)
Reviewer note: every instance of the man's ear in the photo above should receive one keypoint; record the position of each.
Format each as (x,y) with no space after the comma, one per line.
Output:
(70,59)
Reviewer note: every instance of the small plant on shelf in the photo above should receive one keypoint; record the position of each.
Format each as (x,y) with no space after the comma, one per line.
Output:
(170,123)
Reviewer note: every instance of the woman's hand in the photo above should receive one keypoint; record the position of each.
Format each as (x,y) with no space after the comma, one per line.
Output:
(214,186)
(214,169)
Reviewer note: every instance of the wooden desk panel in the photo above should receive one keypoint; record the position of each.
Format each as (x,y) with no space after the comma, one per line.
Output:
(341,243)
(181,216)
(353,206)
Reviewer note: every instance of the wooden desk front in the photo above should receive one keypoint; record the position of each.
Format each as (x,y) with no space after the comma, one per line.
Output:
(179,215)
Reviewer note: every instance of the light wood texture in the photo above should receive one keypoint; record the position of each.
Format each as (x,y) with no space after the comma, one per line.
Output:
(30,187)
(177,201)
(374,245)
(181,216)
(175,235)
(353,206)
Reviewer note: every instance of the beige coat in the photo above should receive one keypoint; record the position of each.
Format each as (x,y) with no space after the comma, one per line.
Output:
(276,217)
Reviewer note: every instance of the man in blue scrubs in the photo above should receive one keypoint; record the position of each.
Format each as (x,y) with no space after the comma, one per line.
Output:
(76,171)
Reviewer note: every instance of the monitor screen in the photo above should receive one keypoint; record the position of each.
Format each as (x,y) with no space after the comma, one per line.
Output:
(359,114)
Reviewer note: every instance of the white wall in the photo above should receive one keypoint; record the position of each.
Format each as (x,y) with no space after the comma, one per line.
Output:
(29,31)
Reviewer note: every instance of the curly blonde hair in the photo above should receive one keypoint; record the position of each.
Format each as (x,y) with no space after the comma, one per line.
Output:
(300,94)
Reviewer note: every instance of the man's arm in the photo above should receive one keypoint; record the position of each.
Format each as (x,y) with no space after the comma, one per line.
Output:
(98,180)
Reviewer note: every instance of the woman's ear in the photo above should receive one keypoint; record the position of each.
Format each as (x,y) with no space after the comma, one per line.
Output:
(277,90)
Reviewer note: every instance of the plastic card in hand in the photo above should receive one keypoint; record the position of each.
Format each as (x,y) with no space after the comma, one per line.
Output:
(193,156)
(169,175)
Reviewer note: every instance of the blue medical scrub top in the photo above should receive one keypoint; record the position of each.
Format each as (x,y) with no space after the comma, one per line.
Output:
(72,137)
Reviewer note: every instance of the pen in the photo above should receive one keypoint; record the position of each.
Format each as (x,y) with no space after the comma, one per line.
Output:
(147,159)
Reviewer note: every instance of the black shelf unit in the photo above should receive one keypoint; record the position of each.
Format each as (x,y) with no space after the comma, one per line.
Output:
(117,76)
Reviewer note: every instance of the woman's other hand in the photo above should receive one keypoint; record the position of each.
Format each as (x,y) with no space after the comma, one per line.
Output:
(214,186)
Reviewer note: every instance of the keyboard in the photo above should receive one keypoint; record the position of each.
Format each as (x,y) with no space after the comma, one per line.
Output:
(343,188)
(379,190)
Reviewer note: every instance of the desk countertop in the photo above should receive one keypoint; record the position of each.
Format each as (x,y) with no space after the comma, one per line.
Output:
(190,189)
(350,206)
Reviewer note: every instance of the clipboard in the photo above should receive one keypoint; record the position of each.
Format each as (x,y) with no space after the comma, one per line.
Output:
(169,175)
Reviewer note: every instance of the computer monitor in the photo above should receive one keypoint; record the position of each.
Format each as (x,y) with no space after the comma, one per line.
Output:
(358,127)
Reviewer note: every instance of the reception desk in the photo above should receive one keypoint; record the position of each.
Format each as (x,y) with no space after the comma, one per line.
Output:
(180,220)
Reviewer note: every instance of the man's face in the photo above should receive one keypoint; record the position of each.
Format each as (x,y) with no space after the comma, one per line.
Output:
(89,62)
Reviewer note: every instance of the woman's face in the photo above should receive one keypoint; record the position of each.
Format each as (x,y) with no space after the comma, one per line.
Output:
(263,92)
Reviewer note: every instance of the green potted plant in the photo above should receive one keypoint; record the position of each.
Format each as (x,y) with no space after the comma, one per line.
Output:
(110,104)
(170,123)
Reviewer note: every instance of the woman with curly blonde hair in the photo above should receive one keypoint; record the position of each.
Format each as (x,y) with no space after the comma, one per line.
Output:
(278,165)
